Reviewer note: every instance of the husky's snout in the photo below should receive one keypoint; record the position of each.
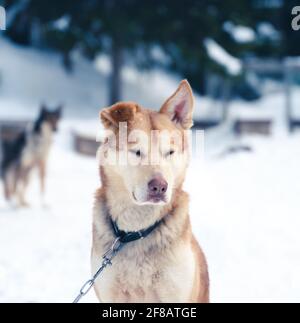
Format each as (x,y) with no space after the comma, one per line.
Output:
(157,189)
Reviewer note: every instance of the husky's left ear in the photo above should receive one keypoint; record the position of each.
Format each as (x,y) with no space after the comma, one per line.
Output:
(179,107)
(119,112)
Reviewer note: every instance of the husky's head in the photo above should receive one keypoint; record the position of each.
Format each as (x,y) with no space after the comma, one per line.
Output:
(145,153)
(50,117)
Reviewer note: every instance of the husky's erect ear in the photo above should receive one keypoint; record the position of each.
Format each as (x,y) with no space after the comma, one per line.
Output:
(119,112)
(179,107)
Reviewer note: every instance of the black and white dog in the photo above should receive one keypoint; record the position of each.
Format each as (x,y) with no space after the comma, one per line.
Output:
(28,151)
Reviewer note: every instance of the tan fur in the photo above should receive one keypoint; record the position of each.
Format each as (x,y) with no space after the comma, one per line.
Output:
(120,112)
(168,265)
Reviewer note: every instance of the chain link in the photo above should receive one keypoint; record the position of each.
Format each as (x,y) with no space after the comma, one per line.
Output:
(107,258)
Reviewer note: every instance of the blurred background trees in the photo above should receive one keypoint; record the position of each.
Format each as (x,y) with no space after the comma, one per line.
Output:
(168,34)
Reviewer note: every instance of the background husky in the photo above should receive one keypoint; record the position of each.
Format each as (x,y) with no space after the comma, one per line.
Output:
(28,151)
(168,265)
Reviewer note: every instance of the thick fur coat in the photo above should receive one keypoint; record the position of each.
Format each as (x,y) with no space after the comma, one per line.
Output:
(168,265)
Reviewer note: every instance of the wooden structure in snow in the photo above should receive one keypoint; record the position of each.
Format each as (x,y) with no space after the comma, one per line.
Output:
(206,124)
(287,68)
(85,145)
(254,126)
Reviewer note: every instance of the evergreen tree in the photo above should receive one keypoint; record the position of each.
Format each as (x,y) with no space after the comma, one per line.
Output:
(132,28)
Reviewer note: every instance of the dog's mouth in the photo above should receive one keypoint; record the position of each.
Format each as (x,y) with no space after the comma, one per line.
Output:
(155,199)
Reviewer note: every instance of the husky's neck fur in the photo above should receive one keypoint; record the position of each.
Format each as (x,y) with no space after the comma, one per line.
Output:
(42,129)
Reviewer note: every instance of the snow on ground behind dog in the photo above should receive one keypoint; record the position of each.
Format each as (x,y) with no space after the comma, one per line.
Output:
(244,207)
(245,213)
(46,249)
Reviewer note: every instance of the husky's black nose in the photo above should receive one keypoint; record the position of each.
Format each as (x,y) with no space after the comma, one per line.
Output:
(157,187)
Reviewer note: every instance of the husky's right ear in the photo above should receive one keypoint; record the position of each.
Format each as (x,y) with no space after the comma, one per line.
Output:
(119,112)
(179,107)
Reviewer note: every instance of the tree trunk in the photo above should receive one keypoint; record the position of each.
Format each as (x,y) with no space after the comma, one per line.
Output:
(116,73)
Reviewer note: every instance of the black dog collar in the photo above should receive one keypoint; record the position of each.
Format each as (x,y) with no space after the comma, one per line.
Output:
(126,237)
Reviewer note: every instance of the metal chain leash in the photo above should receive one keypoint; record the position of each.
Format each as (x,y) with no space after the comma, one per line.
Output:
(107,258)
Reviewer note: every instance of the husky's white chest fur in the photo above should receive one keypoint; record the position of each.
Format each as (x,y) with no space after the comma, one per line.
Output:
(133,278)
(148,270)
(158,268)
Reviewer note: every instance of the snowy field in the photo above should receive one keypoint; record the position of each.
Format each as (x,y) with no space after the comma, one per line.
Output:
(244,207)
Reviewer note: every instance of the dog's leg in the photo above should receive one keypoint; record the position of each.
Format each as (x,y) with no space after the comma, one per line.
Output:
(7,191)
(42,174)
(22,187)
(9,180)
(10,185)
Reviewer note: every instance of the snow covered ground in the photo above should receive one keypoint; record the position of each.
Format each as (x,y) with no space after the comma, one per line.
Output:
(245,210)
(244,207)
(45,252)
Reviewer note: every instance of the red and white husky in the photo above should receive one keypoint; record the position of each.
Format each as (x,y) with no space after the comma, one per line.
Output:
(168,265)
